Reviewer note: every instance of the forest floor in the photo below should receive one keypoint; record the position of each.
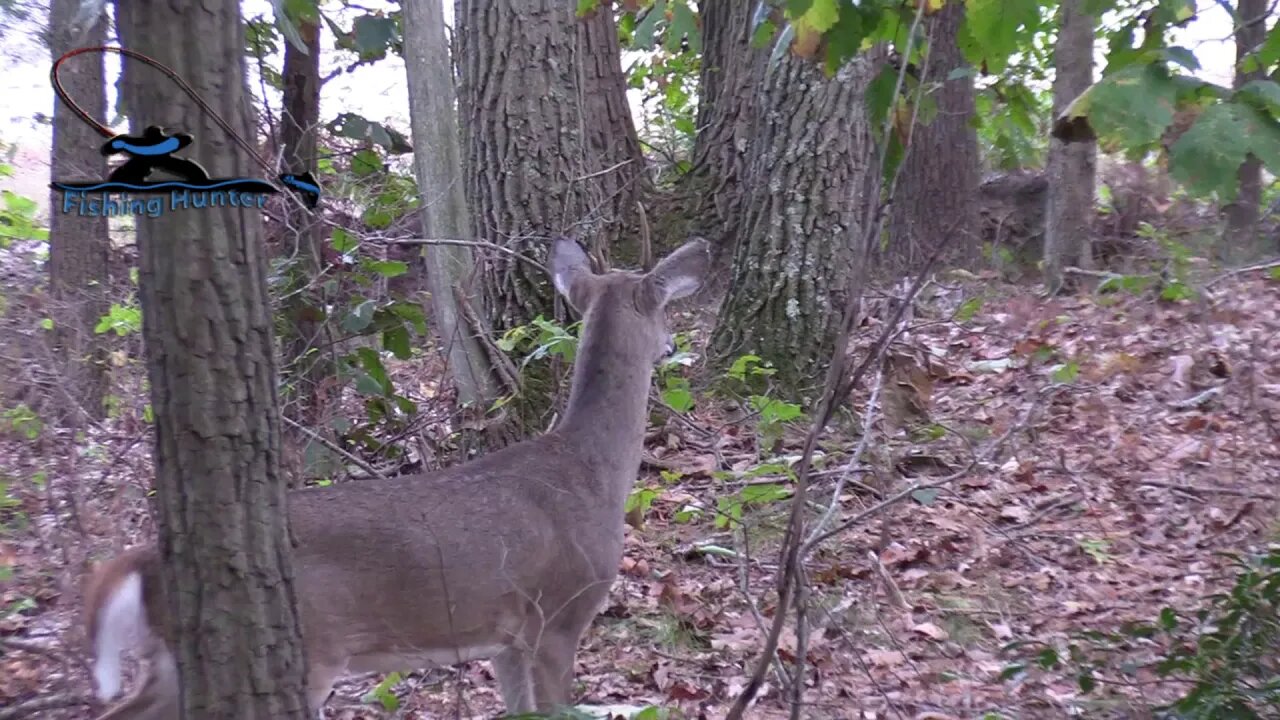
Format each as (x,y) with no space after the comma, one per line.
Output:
(1097,452)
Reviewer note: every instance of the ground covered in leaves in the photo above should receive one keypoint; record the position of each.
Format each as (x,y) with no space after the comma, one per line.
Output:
(1067,464)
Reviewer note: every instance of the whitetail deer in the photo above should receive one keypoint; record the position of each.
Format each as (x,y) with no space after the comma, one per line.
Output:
(508,557)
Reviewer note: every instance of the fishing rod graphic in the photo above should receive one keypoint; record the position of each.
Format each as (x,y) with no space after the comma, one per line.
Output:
(154,147)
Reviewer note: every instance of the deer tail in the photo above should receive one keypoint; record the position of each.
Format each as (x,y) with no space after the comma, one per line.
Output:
(116,616)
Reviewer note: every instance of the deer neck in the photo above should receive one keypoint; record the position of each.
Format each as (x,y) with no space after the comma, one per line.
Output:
(608,403)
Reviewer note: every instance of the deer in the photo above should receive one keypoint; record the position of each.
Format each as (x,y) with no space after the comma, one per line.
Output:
(508,557)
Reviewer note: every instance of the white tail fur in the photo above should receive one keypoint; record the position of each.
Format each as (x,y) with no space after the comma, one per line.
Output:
(121,624)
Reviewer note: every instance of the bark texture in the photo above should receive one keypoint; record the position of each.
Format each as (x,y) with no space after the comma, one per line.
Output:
(1243,213)
(305,243)
(541,159)
(939,175)
(438,167)
(803,225)
(212,370)
(1071,167)
(729,75)
(78,245)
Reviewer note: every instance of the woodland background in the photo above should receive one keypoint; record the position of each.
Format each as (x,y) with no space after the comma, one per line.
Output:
(991,351)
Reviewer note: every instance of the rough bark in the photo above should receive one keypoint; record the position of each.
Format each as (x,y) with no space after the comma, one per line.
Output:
(211,363)
(1242,214)
(438,167)
(804,220)
(78,245)
(730,72)
(534,164)
(1071,167)
(305,235)
(613,146)
(939,176)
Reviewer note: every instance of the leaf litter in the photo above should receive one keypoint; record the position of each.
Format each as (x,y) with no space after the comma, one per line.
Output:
(1112,502)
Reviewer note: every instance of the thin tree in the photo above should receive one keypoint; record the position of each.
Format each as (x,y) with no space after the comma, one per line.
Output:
(305,241)
(939,176)
(79,245)
(804,219)
(207,325)
(1071,167)
(537,162)
(438,166)
(1242,214)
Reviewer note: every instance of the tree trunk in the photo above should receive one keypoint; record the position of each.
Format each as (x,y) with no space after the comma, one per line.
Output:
(613,147)
(939,175)
(1071,167)
(79,244)
(804,222)
(729,75)
(1243,213)
(540,156)
(207,325)
(301,101)
(437,156)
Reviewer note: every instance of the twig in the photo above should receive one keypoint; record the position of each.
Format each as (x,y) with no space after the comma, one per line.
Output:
(789,571)
(890,587)
(989,451)
(1240,271)
(335,447)
(868,418)
(464,243)
(1202,490)
(1196,400)
(40,704)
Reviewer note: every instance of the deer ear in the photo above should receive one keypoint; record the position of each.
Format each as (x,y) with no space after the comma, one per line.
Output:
(570,271)
(680,273)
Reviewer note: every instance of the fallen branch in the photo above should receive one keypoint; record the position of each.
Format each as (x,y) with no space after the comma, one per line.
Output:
(41,704)
(1240,271)
(1202,490)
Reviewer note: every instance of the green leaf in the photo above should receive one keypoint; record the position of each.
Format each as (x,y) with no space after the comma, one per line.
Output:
(684,24)
(359,317)
(1047,658)
(1011,671)
(762,494)
(343,241)
(396,340)
(387,268)
(1087,683)
(1168,619)
(286,27)
(1208,154)
(1274,273)
(677,394)
(47,323)
(365,163)
(374,35)
(925,496)
(643,39)
(968,309)
(1131,108)
(821,15)
(1066,373)
(587,6)
(997,28)
(1265,91)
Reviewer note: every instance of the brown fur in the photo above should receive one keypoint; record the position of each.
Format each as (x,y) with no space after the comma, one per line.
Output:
(508,557)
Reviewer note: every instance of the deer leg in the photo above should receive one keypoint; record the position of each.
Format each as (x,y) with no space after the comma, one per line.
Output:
(553,668)
(320,679)
(515,680)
